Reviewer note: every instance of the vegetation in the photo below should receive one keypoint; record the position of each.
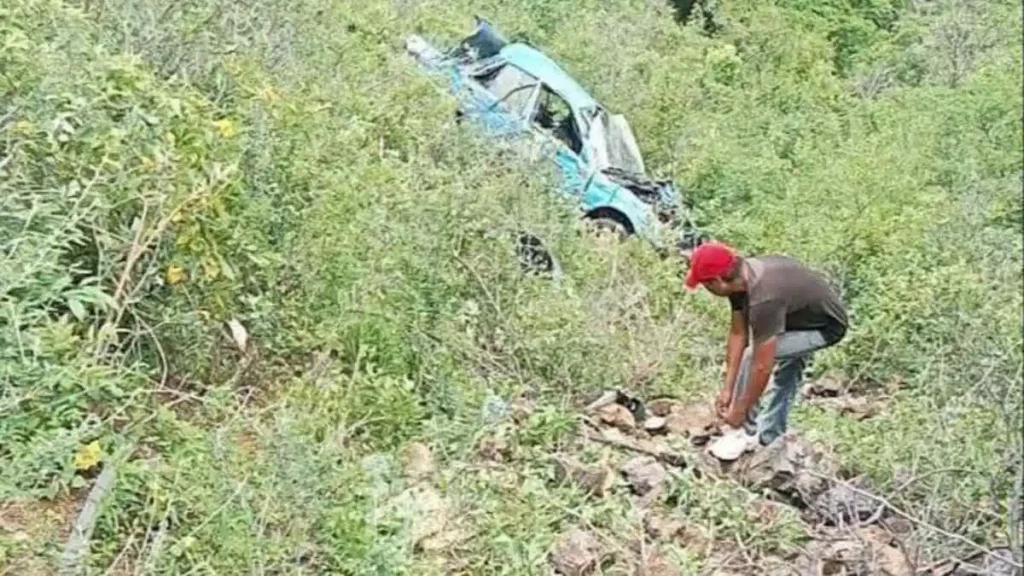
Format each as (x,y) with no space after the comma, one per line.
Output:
(166,168)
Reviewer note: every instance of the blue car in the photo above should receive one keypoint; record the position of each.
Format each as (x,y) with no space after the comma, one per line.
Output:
(519,95)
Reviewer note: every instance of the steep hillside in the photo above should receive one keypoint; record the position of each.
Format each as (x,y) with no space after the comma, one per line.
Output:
(250,258)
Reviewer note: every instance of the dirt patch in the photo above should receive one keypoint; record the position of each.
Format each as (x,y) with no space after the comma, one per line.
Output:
(29,531)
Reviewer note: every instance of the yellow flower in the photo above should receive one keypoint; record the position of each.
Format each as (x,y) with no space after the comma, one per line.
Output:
(24,127)
(226,127)
(88,456)
(175,275)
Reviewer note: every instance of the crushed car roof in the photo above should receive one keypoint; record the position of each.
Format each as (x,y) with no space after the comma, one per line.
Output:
(544,69)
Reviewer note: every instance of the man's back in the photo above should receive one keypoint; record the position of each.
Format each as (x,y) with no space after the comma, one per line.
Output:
(780,287)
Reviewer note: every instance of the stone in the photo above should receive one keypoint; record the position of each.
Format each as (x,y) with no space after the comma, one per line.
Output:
(576,553)
(661,528)
(663,406)
(618,416)
(696,421)
(652,563)
(654,424)
(645,474)
(841,504)
(424,511)
(998,562)
(790,466)
(417,461)
(594,480)
(868,550)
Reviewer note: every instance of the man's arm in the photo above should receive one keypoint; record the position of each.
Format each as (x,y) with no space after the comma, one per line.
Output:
(763,364)
(734,353)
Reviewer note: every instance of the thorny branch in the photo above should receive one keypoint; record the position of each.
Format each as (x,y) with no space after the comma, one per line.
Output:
(909,516)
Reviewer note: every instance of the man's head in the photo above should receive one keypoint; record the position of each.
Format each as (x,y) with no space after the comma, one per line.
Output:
(717,267)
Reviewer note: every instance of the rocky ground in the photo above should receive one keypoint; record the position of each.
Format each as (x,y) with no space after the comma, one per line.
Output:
(658,447)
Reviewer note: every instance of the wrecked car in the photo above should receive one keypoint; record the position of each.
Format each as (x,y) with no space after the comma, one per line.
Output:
(518,94)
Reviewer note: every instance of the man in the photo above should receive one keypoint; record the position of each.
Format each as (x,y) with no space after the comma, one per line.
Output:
(789,312)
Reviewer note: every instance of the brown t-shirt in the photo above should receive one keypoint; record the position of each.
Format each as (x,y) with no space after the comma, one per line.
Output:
(783,295)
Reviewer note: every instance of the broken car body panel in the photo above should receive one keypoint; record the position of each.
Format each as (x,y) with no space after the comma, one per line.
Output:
(515,92)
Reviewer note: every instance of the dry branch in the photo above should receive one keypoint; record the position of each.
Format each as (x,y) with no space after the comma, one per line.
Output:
(910,517)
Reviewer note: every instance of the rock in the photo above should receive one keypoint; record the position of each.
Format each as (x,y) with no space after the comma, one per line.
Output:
(696,539)
(663,406)
(417,461)
(424,511)
(618,416)
(494,449)
(522,409)
(654,424)
(998,562)
(615,435)
(856,407)
(595,480)
(886,554)
(654,564)
(790,466)
(841,504)
(899,525)
(676,424)
(827,387)
(867,550)
(644,474)
(606,398)
(696,421)
(576,553)
(860,408)
(765,512)
(661,528)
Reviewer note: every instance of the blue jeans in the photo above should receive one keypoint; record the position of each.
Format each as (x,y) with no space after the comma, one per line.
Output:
(792,352)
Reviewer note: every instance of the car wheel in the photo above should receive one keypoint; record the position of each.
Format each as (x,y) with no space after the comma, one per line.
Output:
(607,226)
(535,258)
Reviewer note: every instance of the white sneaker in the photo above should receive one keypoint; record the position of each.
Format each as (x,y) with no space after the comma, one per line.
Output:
(733,444)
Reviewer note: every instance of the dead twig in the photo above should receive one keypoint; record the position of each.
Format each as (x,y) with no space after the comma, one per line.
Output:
(666,456)
(909,516)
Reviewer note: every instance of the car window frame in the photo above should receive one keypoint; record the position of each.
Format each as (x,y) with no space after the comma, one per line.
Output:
(578,126)
(534,85)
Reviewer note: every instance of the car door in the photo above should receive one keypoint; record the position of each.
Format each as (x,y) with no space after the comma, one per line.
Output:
(560,135)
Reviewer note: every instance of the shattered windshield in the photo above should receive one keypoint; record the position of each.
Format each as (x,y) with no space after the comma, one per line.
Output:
(615,145)
(509,81)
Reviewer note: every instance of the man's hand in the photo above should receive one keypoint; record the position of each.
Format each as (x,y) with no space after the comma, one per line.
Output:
(733,417)
(723,402)
(764,360)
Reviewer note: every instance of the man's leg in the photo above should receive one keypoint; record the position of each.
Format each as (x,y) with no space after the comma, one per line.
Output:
(792,352)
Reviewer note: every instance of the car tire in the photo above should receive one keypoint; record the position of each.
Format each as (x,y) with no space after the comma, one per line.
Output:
(602,225)
(536,258)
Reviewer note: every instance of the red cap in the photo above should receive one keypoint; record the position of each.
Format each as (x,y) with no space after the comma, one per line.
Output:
(709,261)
